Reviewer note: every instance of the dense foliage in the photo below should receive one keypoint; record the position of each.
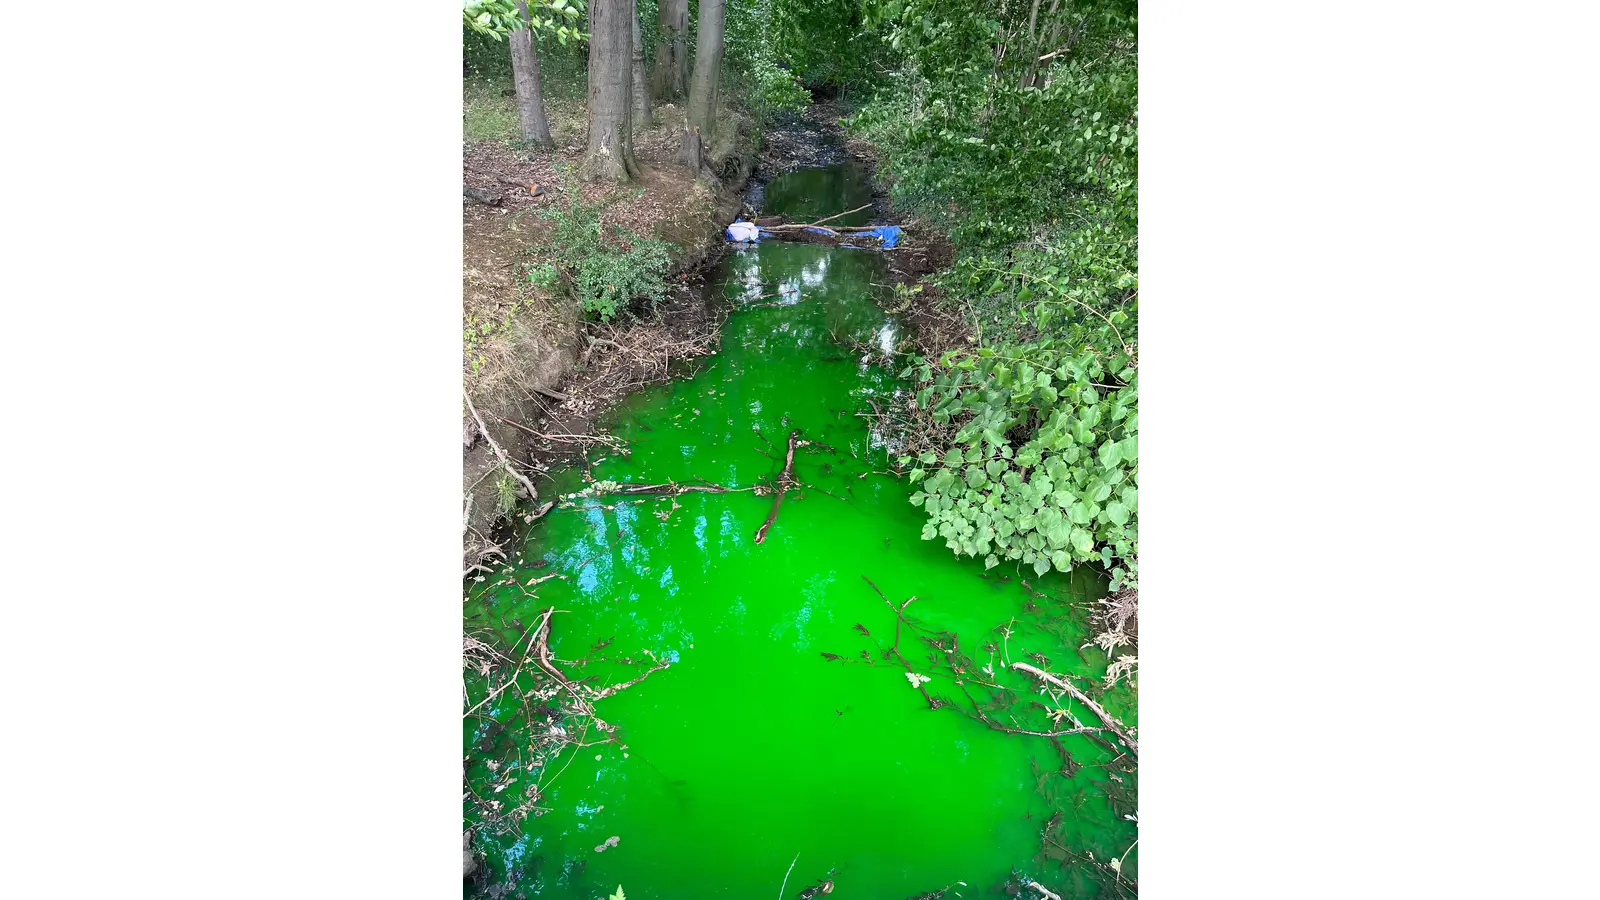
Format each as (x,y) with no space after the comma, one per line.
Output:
(494,19)
(1044,467)
(825,43)
(754,49)
(1015,127)
(997,121)
(605,268)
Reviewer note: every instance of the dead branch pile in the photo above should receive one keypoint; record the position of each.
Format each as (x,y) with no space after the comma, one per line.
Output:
(1002,707)
(621,359)
(528,713)
(1116,619)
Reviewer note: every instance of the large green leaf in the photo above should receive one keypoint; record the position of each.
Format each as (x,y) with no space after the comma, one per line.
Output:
(1082,541)
(1117,513)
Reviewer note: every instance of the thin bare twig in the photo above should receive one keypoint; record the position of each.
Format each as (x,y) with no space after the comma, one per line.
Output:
(786,874)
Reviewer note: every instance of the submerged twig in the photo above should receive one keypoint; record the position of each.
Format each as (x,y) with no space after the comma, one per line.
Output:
(786,874)
(785,482)
(1105,717)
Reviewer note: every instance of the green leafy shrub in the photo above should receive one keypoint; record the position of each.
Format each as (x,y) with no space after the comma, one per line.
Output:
(1043,467)
(1015,128)
(606,268)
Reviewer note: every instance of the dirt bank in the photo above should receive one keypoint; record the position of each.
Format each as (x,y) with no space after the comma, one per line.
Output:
(535,370)
(541,381)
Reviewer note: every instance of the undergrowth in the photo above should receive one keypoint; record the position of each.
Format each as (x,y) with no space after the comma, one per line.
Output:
(1018,135)
(606,268)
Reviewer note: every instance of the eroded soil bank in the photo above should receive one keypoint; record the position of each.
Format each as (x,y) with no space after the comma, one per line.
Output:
(535,371)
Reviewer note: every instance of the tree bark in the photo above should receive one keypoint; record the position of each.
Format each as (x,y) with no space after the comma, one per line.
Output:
(672,52)
(525,74)
(640,89)
(702,117)
(609,156)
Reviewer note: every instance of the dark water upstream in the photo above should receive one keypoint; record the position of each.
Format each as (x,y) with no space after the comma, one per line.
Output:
(754,747)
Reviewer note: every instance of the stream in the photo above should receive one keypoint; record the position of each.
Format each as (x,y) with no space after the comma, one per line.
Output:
(754,751)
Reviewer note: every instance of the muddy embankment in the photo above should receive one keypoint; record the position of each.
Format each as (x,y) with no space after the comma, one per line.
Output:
(547,373)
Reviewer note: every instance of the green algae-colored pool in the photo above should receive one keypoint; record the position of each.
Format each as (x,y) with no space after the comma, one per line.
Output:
(754,747)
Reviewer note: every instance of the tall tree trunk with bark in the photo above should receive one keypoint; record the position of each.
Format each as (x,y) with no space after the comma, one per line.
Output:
(641,91)
(702,116)
(610,153)
(672,52)
(525,74)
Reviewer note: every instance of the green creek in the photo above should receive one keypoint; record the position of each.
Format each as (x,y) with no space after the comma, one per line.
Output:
(753,746)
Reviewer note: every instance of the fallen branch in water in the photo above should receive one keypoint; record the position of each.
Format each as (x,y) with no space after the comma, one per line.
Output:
(615,688)
(785,482)
(842,215)
(673,489)
(899,616)
(1106,718)
(513,679)
(523,738)
(965,671)
(541,655)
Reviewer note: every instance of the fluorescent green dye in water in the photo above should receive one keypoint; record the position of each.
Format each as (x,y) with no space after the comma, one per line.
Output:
(753,746)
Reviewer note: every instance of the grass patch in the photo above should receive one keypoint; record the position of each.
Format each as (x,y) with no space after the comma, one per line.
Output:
(486,114)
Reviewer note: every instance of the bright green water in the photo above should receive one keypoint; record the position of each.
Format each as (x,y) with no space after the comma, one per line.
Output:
(753,747)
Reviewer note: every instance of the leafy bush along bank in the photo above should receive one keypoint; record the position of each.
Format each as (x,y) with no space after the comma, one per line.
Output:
(605,272)
(1016,129)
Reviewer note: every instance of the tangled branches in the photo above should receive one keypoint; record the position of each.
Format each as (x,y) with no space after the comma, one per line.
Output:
(620,359)
(999,700)
(529,713)
(1028,698)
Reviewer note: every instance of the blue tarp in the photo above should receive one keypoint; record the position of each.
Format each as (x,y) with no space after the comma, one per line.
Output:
(889,234)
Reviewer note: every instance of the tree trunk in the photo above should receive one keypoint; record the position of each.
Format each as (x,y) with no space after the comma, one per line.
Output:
(702,117)
(672,52)
(610,152)
(640,90)
(525,73)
